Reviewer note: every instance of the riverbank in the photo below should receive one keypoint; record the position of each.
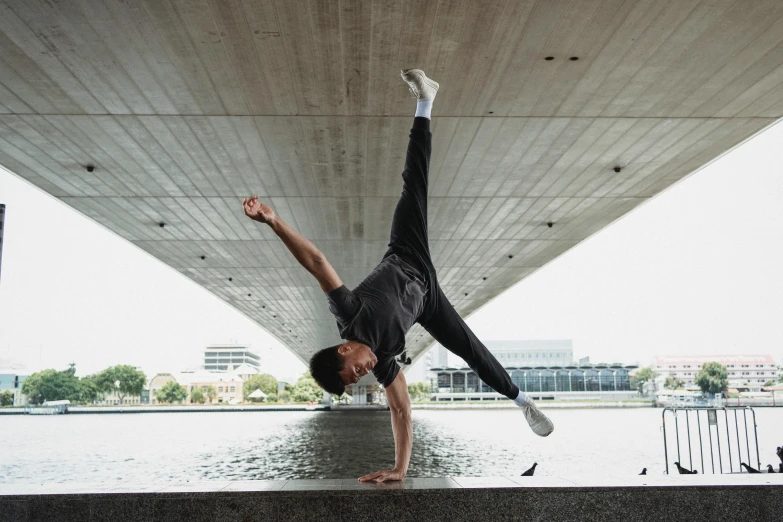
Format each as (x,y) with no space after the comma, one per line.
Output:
(91,410)
(457,405)
(544,405)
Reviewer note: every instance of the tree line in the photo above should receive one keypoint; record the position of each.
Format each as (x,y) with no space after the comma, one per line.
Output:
(305,390)
(53,385)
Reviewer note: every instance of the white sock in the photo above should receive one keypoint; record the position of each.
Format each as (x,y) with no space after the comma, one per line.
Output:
(424,108)
(521,398)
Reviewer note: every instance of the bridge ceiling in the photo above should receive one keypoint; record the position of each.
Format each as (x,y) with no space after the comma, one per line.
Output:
(185,107)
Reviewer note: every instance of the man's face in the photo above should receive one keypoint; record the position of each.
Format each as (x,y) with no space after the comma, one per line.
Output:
(359,360)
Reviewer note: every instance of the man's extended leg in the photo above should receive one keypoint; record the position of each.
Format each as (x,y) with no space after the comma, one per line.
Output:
(450,330)
(408,236)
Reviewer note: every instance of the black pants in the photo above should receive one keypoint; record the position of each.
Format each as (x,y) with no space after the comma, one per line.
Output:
(409,241)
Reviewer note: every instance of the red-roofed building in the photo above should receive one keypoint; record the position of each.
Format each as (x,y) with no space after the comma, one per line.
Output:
(745,371)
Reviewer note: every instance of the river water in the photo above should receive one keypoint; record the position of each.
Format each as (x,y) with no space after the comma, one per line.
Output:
(168,447)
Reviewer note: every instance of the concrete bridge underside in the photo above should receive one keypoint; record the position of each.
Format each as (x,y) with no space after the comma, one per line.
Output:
(186,106)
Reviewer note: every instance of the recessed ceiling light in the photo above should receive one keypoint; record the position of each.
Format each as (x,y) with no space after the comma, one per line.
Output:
(574,58)
(549,58)
(90,168)
(161,224)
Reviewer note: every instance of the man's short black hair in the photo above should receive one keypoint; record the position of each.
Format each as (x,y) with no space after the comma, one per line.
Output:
(325,367)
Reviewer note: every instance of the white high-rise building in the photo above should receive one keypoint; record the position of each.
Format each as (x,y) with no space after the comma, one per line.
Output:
(218,358)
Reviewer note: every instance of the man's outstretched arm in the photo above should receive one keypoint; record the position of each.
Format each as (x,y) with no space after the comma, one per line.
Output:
(303,250)
(402,427)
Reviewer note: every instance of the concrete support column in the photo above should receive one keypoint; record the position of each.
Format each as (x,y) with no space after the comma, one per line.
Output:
(327,400)
(359,394)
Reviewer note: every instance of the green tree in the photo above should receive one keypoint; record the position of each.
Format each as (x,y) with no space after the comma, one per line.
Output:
(264,382)
(419,391)
(306,390)
(91,389)
(713,378)
(211,393)
(51,385)
(197,396)
(642,376)
(780,374)
(171,392)
(673,383)
(284,396)
(124,380)
(6,398)
(769,383)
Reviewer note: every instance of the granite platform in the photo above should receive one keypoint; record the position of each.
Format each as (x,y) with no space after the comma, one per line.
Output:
(608,498)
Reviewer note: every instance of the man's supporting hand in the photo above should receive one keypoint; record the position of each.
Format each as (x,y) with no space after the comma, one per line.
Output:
(258,211)
(383,475)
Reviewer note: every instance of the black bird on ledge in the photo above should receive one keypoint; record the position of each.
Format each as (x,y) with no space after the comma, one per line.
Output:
(644,471)
(529,473)
(770,469)
(748,468)
(685,471)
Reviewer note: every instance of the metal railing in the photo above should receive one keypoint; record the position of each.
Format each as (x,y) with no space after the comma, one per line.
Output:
(724,436)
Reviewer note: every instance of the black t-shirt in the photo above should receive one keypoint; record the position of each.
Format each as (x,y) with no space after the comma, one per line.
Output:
(380,311)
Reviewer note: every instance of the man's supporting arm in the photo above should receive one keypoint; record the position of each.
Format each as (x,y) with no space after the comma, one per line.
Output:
(402,427)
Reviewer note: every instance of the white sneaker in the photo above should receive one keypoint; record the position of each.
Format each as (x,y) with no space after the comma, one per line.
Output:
(420,86)
(539,423)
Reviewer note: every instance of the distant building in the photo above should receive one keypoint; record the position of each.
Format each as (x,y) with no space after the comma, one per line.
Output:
(745,371)
(538,353)
(113,399)
(13,383)
(520,352)
(441,356)
(228,385)
(219,358)
(593,382)
(2,224)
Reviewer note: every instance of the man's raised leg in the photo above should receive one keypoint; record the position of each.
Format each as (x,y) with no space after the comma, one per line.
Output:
(408,236)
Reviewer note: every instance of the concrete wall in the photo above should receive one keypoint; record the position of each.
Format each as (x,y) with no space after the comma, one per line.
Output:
(637,498)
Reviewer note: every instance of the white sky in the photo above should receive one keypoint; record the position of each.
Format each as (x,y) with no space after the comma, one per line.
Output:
(697,270)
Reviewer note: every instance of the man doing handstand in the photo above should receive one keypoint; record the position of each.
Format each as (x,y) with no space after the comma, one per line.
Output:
(403,289)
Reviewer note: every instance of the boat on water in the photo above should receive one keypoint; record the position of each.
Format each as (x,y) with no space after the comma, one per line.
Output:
(48,408)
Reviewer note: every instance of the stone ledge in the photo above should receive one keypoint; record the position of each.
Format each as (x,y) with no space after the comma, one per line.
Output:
(714,499)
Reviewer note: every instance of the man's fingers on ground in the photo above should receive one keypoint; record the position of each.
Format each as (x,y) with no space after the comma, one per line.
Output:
(371,476)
